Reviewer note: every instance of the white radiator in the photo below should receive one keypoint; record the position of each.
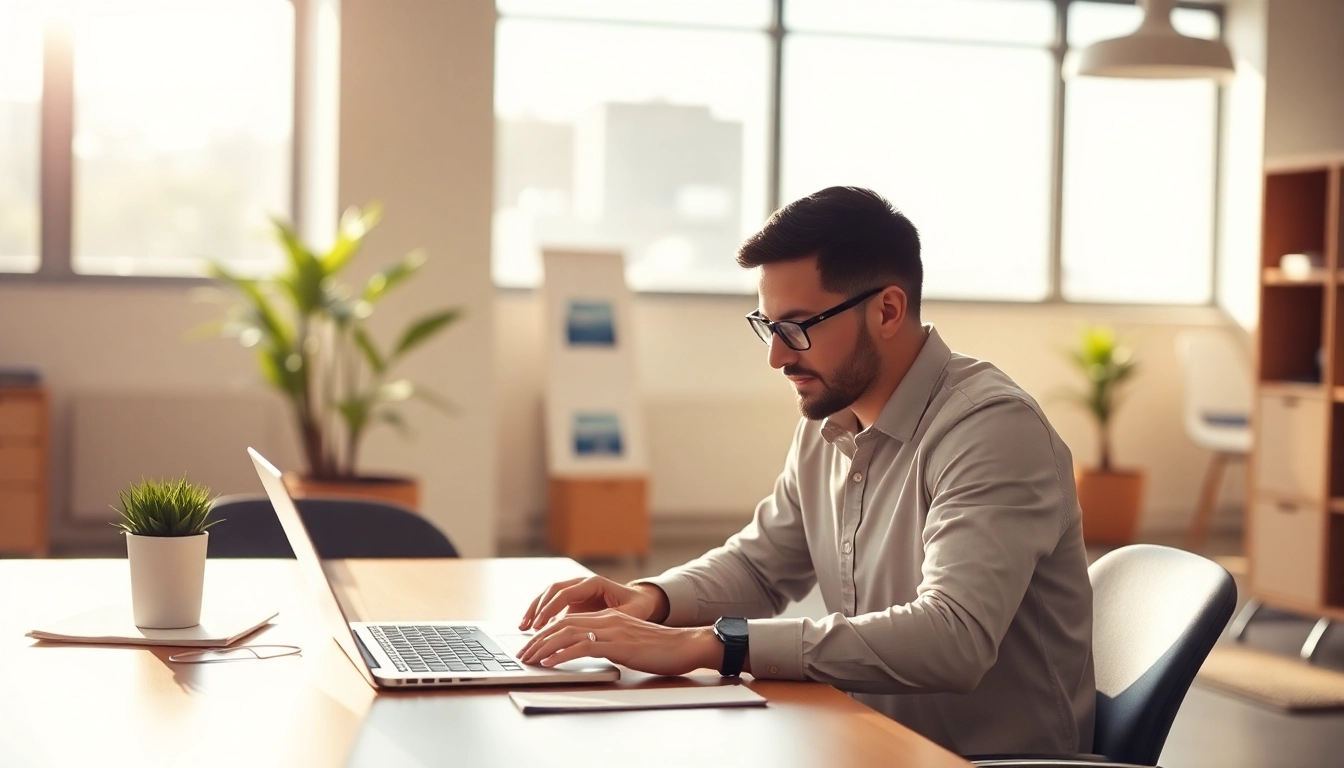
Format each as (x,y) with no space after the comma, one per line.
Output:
(118,438)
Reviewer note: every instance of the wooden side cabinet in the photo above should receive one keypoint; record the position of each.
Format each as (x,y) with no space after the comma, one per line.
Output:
(24,466)
(598,516)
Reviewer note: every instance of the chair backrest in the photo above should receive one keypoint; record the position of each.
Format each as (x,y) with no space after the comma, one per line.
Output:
(339,528)
(1158,613)
(1217,376)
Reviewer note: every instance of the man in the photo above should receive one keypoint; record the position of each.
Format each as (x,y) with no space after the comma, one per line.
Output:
(924,493)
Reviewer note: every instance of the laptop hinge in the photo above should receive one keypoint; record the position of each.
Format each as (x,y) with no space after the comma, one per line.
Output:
(363,651)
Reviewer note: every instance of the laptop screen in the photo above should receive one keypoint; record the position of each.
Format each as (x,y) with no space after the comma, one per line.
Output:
(328,607)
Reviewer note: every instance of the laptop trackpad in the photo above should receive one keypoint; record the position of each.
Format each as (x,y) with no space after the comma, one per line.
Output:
(514,642)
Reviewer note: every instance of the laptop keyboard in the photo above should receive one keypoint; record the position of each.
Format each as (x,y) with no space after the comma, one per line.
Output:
(426,648)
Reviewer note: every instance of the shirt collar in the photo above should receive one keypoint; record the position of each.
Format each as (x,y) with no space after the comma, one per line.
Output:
(901,415)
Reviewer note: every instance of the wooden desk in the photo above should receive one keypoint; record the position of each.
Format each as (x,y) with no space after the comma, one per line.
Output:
(66,705)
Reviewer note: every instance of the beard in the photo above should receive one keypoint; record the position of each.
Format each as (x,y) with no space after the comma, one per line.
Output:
(848,383)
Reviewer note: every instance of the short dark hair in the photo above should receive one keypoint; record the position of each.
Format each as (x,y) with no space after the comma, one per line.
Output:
(860,240)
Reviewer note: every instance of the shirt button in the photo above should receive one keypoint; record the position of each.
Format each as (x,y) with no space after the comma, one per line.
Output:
(773,670)
(847,547)
(858,477)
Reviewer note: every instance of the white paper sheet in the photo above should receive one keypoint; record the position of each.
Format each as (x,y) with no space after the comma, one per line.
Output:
(113,625)
(531,702)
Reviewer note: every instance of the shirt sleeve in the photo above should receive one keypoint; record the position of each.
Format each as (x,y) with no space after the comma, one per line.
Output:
(757,571)
(997,506)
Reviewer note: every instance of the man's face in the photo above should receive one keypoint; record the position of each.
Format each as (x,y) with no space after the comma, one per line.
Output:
(842,363)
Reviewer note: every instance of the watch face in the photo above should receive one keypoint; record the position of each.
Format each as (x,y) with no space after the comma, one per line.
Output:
(731,627)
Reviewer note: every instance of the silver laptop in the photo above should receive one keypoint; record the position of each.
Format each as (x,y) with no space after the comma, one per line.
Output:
(423,653)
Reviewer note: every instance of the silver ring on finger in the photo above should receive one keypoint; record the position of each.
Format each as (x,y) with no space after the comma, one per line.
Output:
(592,637)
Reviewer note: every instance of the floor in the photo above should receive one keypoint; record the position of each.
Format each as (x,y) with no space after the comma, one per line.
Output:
(1213,729)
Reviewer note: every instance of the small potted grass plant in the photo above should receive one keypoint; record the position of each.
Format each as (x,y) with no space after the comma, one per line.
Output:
(165,523)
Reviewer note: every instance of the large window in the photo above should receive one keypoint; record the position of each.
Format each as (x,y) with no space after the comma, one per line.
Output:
(670,130)
(181,137)
(1139,160)
(635,134)
(20,127)
(949,121)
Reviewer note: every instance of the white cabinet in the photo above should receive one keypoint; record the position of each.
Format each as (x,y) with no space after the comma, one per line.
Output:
(1287,549)
(1292,439)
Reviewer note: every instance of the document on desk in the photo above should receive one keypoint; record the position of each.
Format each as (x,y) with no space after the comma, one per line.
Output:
(637,698)
(113,625)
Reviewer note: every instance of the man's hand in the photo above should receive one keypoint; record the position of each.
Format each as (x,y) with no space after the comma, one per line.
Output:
(594,593)
(623,639)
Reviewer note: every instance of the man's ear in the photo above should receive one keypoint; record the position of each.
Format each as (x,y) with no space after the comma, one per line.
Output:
(892,305)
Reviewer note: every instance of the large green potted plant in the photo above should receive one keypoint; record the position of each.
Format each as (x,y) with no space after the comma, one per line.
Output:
(166,526)
(314,346)
(1110,496)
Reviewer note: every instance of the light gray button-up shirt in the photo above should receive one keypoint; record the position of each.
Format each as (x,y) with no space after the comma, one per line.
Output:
(947,543)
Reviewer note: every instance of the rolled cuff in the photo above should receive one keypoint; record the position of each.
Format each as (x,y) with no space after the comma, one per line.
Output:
(775,648)
(683,606)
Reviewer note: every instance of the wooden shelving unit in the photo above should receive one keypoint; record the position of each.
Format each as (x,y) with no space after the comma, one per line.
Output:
(1276,276)
(1295,530)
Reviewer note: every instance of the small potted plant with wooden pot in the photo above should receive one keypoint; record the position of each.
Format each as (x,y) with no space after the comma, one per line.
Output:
(314,345)
(165,524)
(1110,497)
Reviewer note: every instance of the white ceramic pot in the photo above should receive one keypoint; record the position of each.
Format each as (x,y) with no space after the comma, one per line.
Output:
(167,579)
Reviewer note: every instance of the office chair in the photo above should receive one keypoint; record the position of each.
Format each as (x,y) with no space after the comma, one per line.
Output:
(340,528)
(1216,413)
(1157,613)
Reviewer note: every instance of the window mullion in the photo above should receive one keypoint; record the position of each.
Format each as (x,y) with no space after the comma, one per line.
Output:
(1060,50)
(57,157)
(775,107)
(1216,241)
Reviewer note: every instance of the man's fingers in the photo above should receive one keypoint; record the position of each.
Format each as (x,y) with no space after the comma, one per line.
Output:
(543,635)
(529,613)
(562,599)
(606,626)
(540,637)
(532,607)
(554,641)
(529,618)
(584,647)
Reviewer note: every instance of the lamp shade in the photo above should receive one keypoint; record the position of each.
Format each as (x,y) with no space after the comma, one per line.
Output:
(1156,50)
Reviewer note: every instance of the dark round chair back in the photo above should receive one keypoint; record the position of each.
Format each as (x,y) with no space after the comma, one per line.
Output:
(340,529)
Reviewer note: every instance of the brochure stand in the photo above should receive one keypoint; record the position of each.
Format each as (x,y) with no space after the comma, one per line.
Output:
(595,444)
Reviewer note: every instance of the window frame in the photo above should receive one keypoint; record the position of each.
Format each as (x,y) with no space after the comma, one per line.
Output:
(55,200)
(56,162)
(1059,49)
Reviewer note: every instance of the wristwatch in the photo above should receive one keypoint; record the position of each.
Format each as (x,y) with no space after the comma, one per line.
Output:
(732,632)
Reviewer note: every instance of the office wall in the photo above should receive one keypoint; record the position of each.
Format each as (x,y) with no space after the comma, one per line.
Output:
(1288,99)
(113,338)
(1304,97)
(1241,175)
(417,133)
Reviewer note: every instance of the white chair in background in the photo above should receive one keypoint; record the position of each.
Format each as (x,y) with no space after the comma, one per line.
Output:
(1217,411)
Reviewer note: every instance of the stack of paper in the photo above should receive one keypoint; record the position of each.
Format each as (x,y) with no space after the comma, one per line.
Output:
(113,625)
(638,698)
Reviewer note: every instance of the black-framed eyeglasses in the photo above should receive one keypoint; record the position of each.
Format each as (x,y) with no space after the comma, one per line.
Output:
(793,333)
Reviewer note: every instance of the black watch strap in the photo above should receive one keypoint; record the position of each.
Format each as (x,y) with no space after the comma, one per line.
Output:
(732,632)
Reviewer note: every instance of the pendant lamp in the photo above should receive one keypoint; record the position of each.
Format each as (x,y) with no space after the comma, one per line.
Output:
(1156,50)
